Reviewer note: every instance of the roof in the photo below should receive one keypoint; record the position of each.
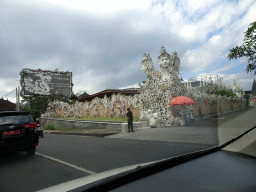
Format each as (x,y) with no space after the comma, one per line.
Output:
(254,88)
(109,92)
(6,105)
(83,95)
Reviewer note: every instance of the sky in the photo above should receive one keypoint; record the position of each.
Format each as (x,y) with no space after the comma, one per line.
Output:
(103,42)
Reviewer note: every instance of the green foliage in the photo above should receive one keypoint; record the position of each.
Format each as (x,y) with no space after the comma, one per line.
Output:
(225,92)
(50,126)
(35,105)
(247,49)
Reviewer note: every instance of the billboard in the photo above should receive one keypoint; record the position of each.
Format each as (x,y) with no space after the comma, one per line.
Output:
(39,82)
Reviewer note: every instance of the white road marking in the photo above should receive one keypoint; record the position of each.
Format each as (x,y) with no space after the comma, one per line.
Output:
(66,163)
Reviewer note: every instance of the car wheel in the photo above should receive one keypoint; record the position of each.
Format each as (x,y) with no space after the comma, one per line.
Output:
(31,151)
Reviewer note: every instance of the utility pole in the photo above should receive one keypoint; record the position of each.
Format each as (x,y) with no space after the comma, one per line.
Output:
(16,101)
(18,98)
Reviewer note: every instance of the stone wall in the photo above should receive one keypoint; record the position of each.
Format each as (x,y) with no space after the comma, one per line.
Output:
(214,107)
(101,110)
(202,108)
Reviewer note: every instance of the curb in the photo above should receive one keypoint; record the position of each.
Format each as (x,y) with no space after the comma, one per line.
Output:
(94,134)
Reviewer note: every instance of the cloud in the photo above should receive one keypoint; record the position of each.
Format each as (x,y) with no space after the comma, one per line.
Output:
(101,6)
(102,44)
(213,48)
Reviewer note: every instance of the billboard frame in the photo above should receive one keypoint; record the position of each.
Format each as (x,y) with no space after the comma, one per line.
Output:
(40,71)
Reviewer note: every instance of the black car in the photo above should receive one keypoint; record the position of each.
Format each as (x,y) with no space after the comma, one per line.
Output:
(18,132)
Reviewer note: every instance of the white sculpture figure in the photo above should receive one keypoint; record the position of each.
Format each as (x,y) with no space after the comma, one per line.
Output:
(164,64)
(147,64)
(113,98)
(105,102)
(150,117)
(160,121)
(175,62)
(143,116)
(236,89)
(112,107)
(123,114)
(96,113)
(87,107)
(152,120)
(120,110)
(77,110)
(160,87)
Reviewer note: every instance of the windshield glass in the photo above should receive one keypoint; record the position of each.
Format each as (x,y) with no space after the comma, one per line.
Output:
(118,83)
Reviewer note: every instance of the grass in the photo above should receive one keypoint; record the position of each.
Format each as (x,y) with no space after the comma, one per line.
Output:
(135,119)
(50,126)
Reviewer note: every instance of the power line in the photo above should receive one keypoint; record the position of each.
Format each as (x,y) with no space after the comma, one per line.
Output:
(6,95)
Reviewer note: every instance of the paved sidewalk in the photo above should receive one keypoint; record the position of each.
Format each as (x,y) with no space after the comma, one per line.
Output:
(172,134)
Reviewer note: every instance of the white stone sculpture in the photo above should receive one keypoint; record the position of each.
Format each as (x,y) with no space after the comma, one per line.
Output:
(237,89)
(96,113)
(77,109)
(122,111)
(156,92)
(112,108)
(147,64)
(161,86)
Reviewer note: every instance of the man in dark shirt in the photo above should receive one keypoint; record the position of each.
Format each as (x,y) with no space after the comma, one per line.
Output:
(130,119)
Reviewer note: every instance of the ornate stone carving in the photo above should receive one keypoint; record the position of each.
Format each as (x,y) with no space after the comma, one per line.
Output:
(161,86)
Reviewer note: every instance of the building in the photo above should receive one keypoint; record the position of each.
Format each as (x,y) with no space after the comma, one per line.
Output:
(109,92)
(6,105)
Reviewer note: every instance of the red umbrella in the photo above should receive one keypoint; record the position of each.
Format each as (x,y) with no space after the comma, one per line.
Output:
(182,100)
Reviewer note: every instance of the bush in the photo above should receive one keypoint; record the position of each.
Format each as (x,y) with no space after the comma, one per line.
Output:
(50,126)
(225,92)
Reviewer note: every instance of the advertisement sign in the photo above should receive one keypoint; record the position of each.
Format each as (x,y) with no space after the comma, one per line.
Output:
(39,82)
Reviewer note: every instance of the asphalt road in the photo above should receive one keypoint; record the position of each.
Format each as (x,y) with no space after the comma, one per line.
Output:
(61,158)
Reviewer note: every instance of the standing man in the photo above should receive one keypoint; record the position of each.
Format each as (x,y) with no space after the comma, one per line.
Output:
(130,119)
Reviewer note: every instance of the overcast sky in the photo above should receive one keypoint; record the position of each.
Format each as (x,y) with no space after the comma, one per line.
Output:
(102,42)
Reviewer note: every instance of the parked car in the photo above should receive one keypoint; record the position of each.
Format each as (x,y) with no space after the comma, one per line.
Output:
(18,132)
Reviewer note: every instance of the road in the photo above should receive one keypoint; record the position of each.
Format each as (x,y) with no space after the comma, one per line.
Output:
(61,158)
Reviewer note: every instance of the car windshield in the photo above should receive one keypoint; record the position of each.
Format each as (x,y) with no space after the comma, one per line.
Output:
(119,83)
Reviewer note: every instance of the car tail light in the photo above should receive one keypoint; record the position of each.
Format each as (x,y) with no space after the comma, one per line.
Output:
(31,125)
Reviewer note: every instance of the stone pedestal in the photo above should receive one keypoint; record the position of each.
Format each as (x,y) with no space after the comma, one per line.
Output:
(124,127)
(144,123)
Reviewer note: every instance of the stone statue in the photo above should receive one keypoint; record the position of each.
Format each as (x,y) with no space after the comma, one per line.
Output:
(161,86)
(175,62)
(147,64)
(236,89)
(112,108)
(96,113)
(164,64)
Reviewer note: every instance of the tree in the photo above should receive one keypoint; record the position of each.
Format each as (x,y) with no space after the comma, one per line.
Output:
(247,49)
(35,106)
